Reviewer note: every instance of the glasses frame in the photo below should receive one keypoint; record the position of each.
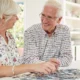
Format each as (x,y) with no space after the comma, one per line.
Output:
(50,18)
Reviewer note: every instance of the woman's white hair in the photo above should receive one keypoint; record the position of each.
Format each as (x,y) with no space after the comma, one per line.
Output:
(8,8)
(56,4)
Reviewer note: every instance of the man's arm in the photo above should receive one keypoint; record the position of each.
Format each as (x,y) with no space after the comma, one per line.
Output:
(30,50)
(65,57)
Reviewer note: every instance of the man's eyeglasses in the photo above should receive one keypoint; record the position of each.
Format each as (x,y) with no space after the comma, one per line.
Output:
(48,17)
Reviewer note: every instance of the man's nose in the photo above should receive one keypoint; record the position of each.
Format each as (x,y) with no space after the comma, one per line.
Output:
(45,19)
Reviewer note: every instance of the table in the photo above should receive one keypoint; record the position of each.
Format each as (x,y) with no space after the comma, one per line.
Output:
(74,65)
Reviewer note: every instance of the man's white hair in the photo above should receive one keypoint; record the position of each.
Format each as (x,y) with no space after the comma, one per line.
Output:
(56,4)
(9,8)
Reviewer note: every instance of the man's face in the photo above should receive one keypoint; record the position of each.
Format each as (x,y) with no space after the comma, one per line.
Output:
(49,19)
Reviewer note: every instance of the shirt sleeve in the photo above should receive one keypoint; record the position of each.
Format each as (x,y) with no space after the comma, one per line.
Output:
(65,57)
(30,50)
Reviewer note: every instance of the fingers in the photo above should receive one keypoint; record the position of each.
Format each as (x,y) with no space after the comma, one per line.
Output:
(49,68)
(52,67)
(47,71)
(46,67)
(55,61)
(41,68)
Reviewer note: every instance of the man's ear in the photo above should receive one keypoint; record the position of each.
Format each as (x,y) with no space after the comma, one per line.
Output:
(59,20)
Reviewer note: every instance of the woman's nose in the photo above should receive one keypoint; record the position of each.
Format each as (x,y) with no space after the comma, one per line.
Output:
(17,18)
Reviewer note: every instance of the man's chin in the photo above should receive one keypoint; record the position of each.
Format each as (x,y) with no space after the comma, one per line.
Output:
(46,30)
(46,27)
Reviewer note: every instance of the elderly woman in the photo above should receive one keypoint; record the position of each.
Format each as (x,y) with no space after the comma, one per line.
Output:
(9,57)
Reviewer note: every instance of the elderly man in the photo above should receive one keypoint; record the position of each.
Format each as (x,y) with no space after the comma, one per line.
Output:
(49,40)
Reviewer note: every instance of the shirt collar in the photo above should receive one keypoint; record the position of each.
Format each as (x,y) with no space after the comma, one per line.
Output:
(57,30)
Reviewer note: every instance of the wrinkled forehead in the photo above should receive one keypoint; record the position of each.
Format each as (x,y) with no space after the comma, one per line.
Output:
(50,10)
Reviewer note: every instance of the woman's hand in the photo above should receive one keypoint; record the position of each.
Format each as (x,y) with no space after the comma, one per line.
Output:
(44,68)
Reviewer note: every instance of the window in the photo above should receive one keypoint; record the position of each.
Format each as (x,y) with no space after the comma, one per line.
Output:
(18,29)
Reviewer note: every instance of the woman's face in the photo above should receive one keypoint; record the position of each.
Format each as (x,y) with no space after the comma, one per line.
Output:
(5,25)
(10,23)
(1,24)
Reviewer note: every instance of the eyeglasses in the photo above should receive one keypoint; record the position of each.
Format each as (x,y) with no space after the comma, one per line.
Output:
(48,17)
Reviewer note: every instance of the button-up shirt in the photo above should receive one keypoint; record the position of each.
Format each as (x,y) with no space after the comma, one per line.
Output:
(38,46)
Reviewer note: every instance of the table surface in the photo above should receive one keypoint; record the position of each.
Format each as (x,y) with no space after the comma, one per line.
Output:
(74,66)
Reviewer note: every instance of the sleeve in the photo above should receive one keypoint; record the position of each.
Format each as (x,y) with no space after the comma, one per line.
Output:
(65,57)
(30,49)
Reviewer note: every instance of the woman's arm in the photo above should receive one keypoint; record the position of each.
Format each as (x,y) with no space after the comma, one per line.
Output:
(6,71)
(44,68)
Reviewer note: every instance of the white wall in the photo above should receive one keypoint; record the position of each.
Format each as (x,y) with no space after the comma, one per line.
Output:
(19,0)
(32,10)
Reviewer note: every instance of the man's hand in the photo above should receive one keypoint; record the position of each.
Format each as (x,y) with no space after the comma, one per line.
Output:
(55,62)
